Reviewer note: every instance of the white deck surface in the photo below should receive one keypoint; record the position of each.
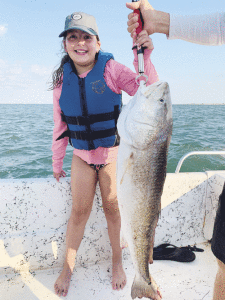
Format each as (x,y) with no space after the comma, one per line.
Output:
(34,214)
(177,281)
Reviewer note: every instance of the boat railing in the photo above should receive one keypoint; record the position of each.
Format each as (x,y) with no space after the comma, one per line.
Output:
(196,153)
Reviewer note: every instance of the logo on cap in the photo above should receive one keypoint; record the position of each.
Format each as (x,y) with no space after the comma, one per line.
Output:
(76,16)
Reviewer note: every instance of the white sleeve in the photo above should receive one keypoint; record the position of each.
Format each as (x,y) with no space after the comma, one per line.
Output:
(202,29)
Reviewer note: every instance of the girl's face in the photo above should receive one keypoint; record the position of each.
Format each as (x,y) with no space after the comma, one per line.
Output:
(81,48)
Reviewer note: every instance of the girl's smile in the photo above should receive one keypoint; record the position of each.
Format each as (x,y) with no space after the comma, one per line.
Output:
(82,48)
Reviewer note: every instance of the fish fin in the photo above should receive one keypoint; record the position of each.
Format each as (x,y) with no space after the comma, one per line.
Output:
(140,288)
(128,164)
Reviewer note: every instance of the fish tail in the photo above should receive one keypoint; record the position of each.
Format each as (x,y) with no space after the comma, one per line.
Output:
(141,288)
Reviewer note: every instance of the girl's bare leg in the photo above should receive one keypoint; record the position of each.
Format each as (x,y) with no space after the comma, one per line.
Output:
(107,182)
(83,184)
(219,287)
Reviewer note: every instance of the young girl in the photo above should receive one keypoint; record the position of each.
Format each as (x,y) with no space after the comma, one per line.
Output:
(86,101)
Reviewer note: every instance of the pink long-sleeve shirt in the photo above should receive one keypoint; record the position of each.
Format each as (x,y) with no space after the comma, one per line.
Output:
(118,78)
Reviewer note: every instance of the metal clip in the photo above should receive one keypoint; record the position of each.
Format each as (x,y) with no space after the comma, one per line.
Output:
(141,75)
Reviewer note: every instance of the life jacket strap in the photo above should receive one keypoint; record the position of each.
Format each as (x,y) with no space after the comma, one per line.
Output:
(84,136)
(80,120)
(64,134)
(91,119)
(81,135)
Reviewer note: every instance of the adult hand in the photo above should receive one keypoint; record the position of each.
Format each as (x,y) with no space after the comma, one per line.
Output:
(58,175)
(154,21)
(147,12)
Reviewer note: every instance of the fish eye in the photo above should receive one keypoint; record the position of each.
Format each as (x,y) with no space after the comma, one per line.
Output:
(161,100)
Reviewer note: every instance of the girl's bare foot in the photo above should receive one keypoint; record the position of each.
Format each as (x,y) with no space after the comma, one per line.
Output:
(119,279)
(63,282)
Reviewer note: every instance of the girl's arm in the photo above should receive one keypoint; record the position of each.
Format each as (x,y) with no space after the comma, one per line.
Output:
(144,40)
(120,78)
(58,147)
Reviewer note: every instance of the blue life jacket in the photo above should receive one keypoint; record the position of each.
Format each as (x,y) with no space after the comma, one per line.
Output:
(89,107)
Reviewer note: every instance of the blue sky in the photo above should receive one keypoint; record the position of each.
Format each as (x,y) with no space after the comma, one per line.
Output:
(30,48)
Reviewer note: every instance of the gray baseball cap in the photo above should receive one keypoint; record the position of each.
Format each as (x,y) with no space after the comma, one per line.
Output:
(81,21)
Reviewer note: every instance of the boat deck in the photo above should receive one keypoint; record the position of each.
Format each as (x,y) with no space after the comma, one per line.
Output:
(183,281)
(34,215)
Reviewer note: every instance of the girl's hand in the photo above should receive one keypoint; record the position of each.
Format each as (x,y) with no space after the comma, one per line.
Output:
(143,40)
(58,175)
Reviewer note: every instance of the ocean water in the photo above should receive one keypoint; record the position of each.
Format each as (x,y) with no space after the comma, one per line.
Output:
(26,138)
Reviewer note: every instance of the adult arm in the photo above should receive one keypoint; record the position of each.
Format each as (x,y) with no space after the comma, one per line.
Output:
(208,29)
(203,29)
